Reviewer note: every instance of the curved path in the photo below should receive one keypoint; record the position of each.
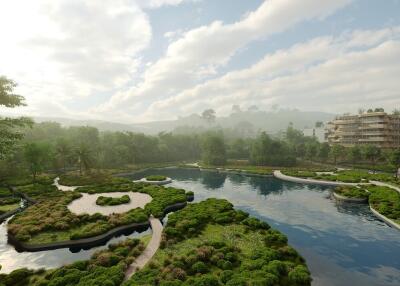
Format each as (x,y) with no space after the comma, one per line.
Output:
(385,185)
(278,174)
(150,250)
(63,188)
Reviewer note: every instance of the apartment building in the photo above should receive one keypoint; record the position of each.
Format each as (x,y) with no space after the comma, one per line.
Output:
(371,128)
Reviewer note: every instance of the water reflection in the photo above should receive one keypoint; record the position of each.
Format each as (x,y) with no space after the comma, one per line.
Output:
(344,244)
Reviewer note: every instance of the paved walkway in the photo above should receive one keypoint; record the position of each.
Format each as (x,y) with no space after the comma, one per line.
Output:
(385,185)
(150,250)
(279,175)
(61,187)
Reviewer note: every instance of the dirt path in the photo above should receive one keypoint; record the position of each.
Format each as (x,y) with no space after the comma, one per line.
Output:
(150,250)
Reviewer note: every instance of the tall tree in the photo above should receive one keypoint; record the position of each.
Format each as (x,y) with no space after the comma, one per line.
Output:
(336,152)
(323,152)
(213,149)
(372,153)
(209,116)
(355,154)
(395,159)
(9,135)
(84,157)
(37,156)
(63,151)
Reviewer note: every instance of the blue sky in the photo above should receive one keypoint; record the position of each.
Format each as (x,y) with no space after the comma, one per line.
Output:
(137,60)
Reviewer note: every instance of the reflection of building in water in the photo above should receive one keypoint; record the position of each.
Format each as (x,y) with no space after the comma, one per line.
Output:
(370,128)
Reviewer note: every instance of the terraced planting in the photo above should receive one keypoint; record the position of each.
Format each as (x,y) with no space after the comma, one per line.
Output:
(210,243)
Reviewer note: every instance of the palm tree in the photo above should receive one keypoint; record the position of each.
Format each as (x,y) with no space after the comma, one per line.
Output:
(63,151)
(84,156)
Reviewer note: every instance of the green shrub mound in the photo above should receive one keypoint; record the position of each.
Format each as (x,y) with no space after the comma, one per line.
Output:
(352,192)
(105,268)
(386,201)
(346,176)
(89,179)
(50,220)
(39,191)
(5,192)
(110,201)
(209,243)
(156,178)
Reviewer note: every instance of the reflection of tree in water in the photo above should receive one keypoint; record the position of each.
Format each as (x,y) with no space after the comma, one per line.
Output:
(237,179)
(213,180)
(354,209)
(266,186)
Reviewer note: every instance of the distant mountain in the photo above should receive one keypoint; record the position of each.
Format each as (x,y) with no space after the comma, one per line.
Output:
(271,122)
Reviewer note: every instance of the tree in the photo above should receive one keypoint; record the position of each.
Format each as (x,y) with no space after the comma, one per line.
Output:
(336,152)
(355,154)
(36,155)
(209,116)
(63,151)
(379,109)
(9,136)
(213,150)
(395,159)
(396,111)
(372,153)
(84,157)
(323,152)
(319,124)
(311,150)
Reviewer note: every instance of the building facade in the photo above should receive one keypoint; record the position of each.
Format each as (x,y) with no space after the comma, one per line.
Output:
(372,128)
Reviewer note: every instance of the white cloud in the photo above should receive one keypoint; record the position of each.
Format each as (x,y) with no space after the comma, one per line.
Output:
(159,3)
(63,50)
(200,52)
(325,73)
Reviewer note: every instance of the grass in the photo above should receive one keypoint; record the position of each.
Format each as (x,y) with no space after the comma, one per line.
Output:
(386,201)
(209,243)
(352,192)
(50,220)
(7,208)
(111,201)
(156,178)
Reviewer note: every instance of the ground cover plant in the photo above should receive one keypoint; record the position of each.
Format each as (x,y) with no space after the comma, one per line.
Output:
(156,178)
(95,178)
(105,268)
(352,192)
(38,191)
(210,243)
(386,201)
(110,201)
(50,220)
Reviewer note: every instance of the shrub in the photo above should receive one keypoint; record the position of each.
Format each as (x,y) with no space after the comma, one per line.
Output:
(111,201)
(156,178)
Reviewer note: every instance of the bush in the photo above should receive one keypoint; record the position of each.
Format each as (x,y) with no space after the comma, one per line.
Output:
(352,192)
(111,201)
(156,178)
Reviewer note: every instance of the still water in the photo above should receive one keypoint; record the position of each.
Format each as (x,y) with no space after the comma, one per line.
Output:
(343,244)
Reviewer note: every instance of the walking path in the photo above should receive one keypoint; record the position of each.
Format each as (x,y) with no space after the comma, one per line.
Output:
(150,250)
(385,185)
(278,174)
(61,187)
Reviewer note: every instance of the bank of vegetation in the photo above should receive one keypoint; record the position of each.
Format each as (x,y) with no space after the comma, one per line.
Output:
(210,243)
(50,220)
(106,267)
(156,178)
(113,201)
(352,192)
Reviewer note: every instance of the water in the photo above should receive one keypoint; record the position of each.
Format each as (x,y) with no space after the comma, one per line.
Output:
(343,244)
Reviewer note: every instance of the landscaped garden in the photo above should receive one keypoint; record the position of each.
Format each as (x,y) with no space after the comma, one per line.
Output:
(210,243)
(8,201)
(106,268)
(50,220)
(347,176)
(156,178)
(352,192)
(386,201)
(110,201)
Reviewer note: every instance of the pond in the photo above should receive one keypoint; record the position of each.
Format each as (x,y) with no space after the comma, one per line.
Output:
(343,244)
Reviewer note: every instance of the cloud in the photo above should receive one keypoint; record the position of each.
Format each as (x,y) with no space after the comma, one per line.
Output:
(326,73)
(200,52)
(159,3)
(67,49)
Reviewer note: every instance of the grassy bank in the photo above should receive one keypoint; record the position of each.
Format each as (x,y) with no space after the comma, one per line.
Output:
(210,243)
(106,267)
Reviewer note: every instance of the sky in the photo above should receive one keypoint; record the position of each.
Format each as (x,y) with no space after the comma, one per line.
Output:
(147,60)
